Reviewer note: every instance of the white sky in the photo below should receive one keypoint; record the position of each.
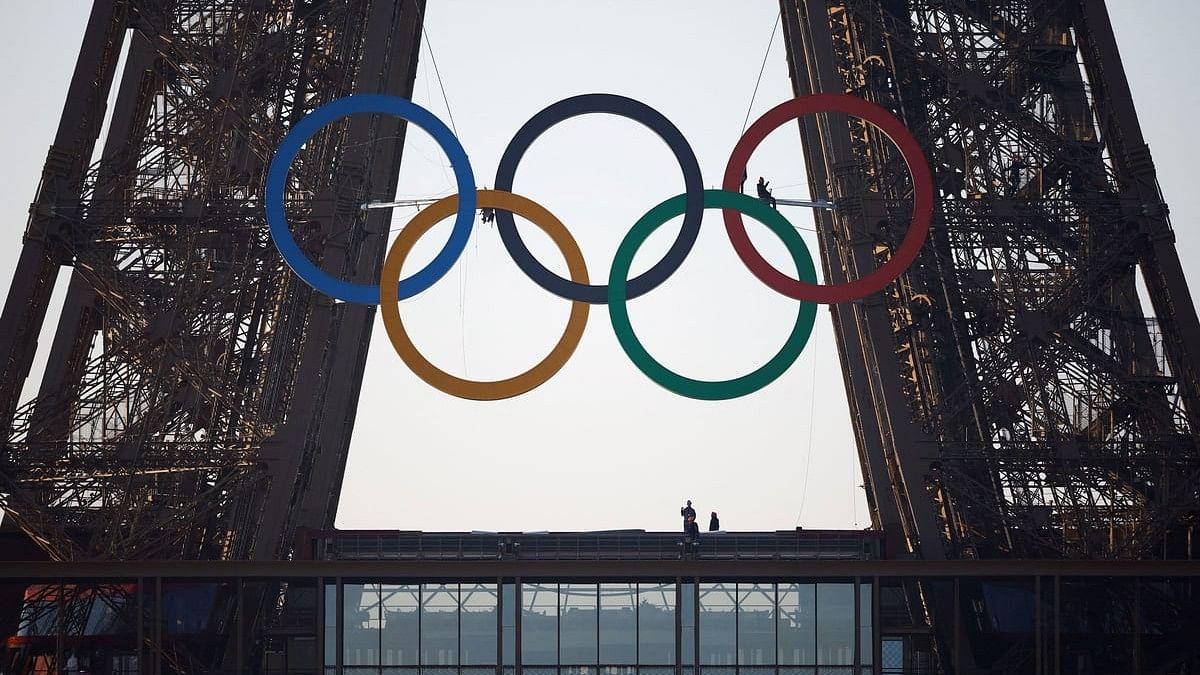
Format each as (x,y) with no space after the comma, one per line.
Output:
(599,446)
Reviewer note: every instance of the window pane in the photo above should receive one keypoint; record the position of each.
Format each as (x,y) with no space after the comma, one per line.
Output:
(1096,624)
(835,624)
(577,623)
(478,646)
(891,655)
(797,624)
(539,624)
(1001,617)
(361,621)
(717,624)
(756,624)
(399,635)
(331,609)
(687,620)
(866,647)
(509,628)
(1169,608)
(439,624)
(656,624)
(618,624)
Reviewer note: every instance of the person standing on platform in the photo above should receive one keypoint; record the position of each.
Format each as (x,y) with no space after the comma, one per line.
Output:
(714,523)
(689,515)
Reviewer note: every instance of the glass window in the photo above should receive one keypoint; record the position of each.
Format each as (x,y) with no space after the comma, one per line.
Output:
(656,624)
(439,624)
(539,624)
(756,624)
(618,624)
(360,623)
(797,624)
(1096,623)
(891,653)
(866,645)
(1168,609)
(331,608)
(717,624)
(835,624)
(687,621)
(478,646)
(577,624)
(186,605)
(1002,612)
(399,636)
(508,630)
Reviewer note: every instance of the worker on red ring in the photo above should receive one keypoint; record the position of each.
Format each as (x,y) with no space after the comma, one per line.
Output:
(764,194)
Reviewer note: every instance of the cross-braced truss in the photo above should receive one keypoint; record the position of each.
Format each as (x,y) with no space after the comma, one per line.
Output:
(1058,414)
(198,398)
(1014,394)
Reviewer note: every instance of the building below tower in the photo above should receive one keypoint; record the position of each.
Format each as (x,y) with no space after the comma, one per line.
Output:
(604,603)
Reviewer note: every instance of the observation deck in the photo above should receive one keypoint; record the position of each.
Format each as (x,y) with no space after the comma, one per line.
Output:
(604,545)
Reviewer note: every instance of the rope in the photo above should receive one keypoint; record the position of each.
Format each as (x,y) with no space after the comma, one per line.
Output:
(441,86)
(812,405)
(760,73)
(433,58)
(462,309)
(850,452)
(462,270)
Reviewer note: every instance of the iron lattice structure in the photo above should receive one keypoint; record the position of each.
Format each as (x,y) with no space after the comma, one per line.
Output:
(1014,394)
(1028,403)
(198,399)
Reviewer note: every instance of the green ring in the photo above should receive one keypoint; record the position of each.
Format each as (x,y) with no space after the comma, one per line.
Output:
(702,389)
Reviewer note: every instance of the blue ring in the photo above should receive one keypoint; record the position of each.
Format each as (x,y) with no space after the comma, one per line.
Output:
(368,294)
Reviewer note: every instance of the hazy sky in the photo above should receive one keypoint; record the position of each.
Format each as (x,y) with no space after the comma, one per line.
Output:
(600,446)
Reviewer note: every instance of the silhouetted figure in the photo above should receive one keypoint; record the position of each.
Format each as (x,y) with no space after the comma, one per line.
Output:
(1016,172)
(764,194)
(714,523)
(743,180)
(689,516)
(693,528)
(487,215)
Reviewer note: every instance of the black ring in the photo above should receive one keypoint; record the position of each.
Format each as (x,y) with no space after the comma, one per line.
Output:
(638,112)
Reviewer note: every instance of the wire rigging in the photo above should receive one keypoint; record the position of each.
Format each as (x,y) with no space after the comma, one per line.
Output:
(436,72)
(462,270)
(761,70)
(853,472)
(812,407)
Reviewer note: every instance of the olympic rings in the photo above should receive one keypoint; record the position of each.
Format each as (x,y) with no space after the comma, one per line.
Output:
(701,389)
(624,107)
(692,203)
(367,294)
(922,198)
(482,391)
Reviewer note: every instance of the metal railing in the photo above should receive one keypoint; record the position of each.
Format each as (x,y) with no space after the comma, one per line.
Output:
(617,545)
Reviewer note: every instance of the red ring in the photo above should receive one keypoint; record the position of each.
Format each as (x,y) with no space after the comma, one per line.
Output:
(918,167)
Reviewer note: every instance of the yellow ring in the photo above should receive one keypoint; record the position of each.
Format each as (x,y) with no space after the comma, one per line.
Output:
(439,379)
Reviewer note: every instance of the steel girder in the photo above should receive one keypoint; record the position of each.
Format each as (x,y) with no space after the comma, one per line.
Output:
(198,399)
